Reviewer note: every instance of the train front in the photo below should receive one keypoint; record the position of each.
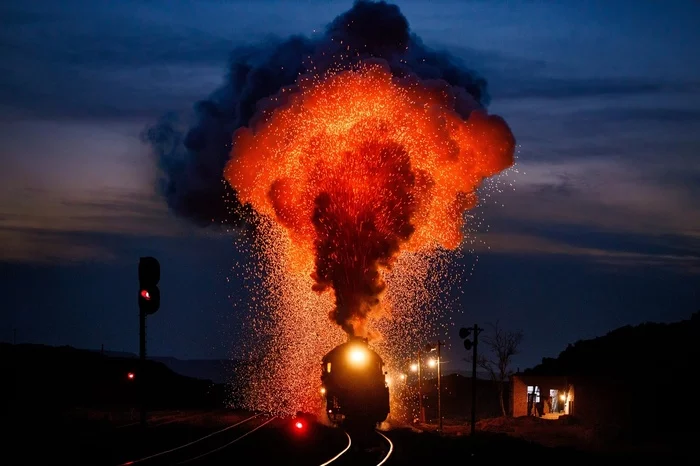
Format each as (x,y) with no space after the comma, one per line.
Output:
(354,385)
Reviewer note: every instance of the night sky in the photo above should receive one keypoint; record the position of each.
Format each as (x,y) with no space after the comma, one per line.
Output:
(601,228)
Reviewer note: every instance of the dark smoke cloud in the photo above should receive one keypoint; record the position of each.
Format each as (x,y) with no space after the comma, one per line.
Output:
(192,162)
(350,244)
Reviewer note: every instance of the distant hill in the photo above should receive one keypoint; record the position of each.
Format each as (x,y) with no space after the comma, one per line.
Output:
(216,370)
(665,350)
(635,378)
(57,378)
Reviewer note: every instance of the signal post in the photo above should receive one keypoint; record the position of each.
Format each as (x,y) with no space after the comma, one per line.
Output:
(421,410)
(429,348)
(149,303)
(464,333)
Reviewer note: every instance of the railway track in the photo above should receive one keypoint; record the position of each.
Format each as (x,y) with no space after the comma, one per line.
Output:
(370,450)
(163,420)
(200,449)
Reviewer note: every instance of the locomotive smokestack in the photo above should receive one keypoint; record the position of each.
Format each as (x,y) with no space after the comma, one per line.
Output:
(358,339)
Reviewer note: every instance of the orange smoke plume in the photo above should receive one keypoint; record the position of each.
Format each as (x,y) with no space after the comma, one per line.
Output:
(360,165)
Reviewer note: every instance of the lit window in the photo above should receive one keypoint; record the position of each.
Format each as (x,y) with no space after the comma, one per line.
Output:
(328,368)
(534,390)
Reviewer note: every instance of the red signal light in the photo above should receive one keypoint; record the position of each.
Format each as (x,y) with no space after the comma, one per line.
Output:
(145,295)
(299,425)
(130,376)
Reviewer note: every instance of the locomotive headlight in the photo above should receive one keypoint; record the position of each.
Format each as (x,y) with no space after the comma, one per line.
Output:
(357,356)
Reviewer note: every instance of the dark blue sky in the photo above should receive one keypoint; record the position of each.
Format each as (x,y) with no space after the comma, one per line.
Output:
(600,229)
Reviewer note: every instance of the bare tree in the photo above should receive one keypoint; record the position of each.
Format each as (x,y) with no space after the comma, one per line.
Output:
(501,345)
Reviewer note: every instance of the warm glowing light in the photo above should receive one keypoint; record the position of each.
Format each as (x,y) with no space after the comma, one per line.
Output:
(432,363)
(359,181)
(299,425)
(323,390)
(562,397)
(357,356)
(358,166)
(388,381)
(130,375)
(402,376)
(414,367)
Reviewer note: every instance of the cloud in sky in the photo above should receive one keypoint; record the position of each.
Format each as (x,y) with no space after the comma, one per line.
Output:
(600,224)
(609,149)
(63,180)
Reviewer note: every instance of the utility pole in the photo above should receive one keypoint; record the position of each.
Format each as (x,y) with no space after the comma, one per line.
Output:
(429,348)
(439,386)
(476,343)
(142,366)
(421,414)
(469,345)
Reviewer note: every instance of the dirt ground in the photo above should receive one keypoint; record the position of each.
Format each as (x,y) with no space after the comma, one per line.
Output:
(565,432)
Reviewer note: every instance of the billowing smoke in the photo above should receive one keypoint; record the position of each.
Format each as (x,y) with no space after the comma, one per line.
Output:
(359,165)
(192,164)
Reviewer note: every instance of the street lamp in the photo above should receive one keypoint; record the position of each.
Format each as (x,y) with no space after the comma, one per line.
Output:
(432,363)
(419,368)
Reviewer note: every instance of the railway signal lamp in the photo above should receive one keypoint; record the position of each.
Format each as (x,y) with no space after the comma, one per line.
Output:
(149,303)
(130,376)
(464,335)
(149,276)
(299,428)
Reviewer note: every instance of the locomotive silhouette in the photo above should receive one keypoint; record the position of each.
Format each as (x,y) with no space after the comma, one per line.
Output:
(354,385)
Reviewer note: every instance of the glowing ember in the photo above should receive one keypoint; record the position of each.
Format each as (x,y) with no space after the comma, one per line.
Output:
(360,181)
(359,166)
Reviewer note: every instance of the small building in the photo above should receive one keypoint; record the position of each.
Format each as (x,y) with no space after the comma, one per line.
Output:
(593,400)
(539,395)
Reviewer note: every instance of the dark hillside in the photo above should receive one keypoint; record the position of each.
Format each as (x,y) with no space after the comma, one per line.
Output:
(636,379)
(60,378)
(668,351)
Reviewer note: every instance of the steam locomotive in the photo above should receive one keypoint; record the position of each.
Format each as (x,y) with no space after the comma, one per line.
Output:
(354,385)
